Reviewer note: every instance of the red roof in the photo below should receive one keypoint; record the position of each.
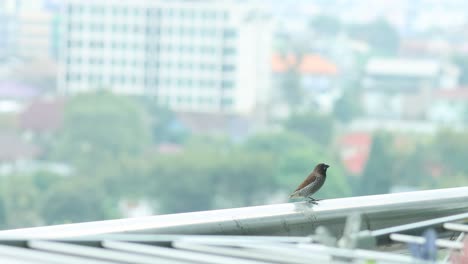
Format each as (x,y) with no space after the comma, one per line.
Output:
(317,65)
(456,94)
(312,64)
(14,148)
(281,63)
(355,149)
(357,138)
(43,115)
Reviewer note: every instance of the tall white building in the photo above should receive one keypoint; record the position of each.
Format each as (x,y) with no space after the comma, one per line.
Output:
(205,56)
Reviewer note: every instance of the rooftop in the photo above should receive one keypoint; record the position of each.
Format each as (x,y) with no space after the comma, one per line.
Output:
(309,64)
(403,67)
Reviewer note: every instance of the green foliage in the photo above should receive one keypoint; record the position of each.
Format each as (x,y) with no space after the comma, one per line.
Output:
(451,151)
(75,200)
(44,180)
(462,63)
(181,183)
(276,143)
(99,127)
(291,89)
(108,141)
(377,176)
(19,197)
(211,177)
(409,167)
(162,122)
(379,34)
(326,25)
(318,128)
(347,107)
(244,178)
(3,213)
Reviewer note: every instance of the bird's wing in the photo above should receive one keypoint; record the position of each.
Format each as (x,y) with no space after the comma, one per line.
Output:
(311,178)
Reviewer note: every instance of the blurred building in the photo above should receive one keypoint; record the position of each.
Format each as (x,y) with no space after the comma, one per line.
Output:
(192,55)
(28,29)
(317,75)
(34,31)
(401,88)
(6,28)
(449,107)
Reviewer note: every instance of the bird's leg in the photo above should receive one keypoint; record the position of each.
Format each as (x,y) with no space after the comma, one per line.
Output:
(312,200)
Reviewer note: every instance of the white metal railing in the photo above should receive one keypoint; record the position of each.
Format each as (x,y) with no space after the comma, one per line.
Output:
(290,219)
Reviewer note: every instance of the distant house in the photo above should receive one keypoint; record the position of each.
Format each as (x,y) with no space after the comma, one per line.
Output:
(449,107)
(317,73)
(42,115)
(235,126)
(354,151)
(318,77)
(16,91)
(398,88)
(426,47)
(13,148)
(282,63)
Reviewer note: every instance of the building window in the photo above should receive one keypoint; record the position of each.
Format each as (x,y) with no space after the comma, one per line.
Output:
(123,28)
(115,11)
(170,13)
(229,33)
(227,84)
(226,102)
(229,68)
(229,51)
(182,13)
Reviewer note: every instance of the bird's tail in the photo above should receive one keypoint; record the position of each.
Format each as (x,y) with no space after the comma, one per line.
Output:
(294,195)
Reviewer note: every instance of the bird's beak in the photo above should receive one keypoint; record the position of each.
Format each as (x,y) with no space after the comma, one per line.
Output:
(327,166)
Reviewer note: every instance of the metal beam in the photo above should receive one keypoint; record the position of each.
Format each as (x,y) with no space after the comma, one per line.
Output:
(290,219)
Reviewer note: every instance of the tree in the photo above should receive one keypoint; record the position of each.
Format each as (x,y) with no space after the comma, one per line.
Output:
(244,179)
(163,122)
(210,176)
(19,197)
(449,149)
(181,182)
(462,63)
(379,34)
(99,127)
(3,216)
(291,88)
(76,200)
(318,128)
(377,176)
(347,107)
(326,25)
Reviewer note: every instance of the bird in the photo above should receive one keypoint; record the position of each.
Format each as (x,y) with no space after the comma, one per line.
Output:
(312,183)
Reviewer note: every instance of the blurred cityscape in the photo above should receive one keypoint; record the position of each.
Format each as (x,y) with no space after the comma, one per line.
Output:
(114,109)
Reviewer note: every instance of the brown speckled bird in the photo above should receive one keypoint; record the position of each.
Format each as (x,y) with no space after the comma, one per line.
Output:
(312,183)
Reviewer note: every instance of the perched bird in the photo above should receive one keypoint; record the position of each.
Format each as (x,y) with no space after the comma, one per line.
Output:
(312,183)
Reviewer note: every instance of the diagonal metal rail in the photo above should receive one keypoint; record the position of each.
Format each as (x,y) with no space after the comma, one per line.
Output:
(290,219)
